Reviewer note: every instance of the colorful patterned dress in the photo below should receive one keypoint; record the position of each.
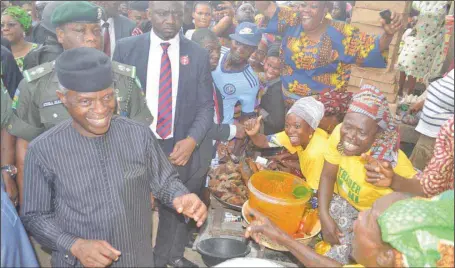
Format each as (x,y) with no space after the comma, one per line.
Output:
(422,49)
(438,174)
(311,67)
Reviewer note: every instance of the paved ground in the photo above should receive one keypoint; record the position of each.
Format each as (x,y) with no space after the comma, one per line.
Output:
(44,256)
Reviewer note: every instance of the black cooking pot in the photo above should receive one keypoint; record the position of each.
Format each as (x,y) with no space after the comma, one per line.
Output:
(217,250)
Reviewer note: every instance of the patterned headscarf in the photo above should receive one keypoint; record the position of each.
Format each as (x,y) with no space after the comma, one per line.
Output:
(20,15)
(335,102)
(421,230)
(372,103)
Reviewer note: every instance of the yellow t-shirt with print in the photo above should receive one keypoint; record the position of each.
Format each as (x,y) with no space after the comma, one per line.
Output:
(311,159)
(351,175)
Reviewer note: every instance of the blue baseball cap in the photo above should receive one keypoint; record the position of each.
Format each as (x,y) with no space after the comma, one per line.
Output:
(247,33)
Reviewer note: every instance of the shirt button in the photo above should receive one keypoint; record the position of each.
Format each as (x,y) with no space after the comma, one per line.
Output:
(55,115)
(66,257)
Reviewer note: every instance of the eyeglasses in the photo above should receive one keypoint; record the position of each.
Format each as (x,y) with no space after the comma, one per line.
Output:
(10,24)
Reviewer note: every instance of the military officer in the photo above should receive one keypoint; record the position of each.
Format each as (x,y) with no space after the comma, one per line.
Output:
(51,48)
(77,25)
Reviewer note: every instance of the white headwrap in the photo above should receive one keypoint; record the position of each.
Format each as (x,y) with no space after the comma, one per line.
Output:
(309,109)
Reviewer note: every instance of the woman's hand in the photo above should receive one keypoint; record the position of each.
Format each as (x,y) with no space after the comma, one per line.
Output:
(330,231)
(416,107)
(379,173)
(395,24)
(252,126)
(262,225)
(280,156)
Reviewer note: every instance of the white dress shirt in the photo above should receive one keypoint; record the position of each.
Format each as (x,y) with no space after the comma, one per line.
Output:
(153,76)
(111,33)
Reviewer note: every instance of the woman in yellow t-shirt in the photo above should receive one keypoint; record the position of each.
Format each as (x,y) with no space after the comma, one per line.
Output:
(366,136)
(397,231)
(301,135)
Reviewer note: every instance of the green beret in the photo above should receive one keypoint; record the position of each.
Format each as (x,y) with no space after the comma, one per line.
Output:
(76,11)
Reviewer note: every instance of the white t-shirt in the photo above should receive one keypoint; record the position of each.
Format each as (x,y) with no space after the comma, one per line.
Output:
(438,106)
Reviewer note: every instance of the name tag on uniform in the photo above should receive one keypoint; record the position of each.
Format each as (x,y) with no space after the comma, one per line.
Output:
(51,103)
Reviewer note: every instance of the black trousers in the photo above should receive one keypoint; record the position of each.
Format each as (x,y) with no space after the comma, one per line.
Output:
(173,232)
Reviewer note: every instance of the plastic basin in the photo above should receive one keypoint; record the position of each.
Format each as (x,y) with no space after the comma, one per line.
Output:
(271,194)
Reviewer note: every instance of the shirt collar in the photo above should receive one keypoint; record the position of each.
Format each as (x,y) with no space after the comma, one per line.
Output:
(156,41)
(109,20)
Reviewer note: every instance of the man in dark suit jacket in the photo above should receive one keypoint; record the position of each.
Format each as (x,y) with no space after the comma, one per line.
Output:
(192,109)
(121,25)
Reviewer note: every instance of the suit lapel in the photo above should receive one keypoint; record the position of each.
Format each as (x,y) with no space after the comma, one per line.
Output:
(117,27)
(142,60)
(183,72)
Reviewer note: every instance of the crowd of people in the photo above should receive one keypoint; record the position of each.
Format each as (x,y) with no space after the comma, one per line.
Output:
(113,109)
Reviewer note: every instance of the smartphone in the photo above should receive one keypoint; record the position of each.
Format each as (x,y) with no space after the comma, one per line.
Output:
(386,15)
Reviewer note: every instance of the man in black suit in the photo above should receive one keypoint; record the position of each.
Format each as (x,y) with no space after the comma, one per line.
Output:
(175,74)
(115,26)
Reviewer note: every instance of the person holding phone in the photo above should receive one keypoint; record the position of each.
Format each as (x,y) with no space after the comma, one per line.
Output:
(318,52)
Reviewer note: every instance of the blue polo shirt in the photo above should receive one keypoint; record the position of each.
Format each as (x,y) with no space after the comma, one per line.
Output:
(242,86)
(16,248)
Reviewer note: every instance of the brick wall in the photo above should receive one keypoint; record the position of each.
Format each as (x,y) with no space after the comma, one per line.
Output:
(365,16)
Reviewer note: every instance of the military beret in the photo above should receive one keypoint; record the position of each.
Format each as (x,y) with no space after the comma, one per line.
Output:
(84,69)
(76,11)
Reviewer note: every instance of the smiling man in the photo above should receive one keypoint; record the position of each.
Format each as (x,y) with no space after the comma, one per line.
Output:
(88,180)
(36,101)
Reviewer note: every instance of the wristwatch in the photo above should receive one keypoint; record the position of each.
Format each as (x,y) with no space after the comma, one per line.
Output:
(10,169)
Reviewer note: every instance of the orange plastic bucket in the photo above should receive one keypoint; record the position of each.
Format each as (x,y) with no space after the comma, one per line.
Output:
(271,194)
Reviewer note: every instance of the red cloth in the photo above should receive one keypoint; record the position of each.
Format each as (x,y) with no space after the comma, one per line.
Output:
(335,102)
(137,31)
(438,174)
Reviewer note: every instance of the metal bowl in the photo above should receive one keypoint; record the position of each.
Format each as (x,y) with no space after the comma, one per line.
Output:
(217,250)
(226,204)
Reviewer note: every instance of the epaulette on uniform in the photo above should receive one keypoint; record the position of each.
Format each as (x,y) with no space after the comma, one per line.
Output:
(38,71)
(126,70)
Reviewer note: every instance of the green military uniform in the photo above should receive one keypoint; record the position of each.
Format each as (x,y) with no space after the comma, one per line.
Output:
(10,121)
(6,111)
(37,104)
(36,99)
